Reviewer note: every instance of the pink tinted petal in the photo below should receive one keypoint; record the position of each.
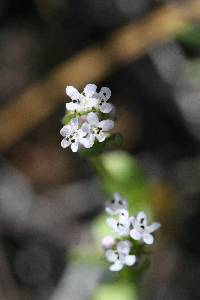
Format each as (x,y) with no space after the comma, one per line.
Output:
(106,108)
(135,234)
(130,260)
(90,89)
(108,242)
(105,93)
(93,119)
(72,92)
(65,143)
(148,238)
(106,125)
(153,227)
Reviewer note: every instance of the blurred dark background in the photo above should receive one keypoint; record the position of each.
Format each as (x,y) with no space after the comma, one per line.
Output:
(47,195)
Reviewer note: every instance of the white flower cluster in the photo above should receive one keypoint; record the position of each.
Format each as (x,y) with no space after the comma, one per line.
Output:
(88,123)
(127,228)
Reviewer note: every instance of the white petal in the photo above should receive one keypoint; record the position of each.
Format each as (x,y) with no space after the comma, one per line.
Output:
(124,247)
(65,131)
(135,234)
(81,133)
(72,106)
(153,227)
(111,255)
(130,260)
(105,93)
(142,218)
(88,141)
(117,196)
(72,92)
(112,223)
(65,143)
(123,230)
(93,119)
(132,221)
(117,266)
(92,103)
(90,89)
(74,146)
(148,238)
(74,124)
(106,125)
(123,217)
(110,211)
(101,136)
(86,127)
(120,202)
(106,108)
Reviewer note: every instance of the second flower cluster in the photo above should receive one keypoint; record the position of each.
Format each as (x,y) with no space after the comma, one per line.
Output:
(127,228)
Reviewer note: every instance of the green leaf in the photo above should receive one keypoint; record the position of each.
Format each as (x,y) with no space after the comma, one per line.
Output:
(115,291)
(124,175)
(190,36)
(98,148)
(95,150)
(115,139)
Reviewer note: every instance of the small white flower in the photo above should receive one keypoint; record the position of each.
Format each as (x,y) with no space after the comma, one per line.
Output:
(121,256)
(115,205)
(142,231)
(94,128)
(108,242)
(72,135)
(104,96)
(122,225)
(82,102)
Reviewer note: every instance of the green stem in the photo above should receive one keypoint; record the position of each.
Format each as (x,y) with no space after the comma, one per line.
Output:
(98,167)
